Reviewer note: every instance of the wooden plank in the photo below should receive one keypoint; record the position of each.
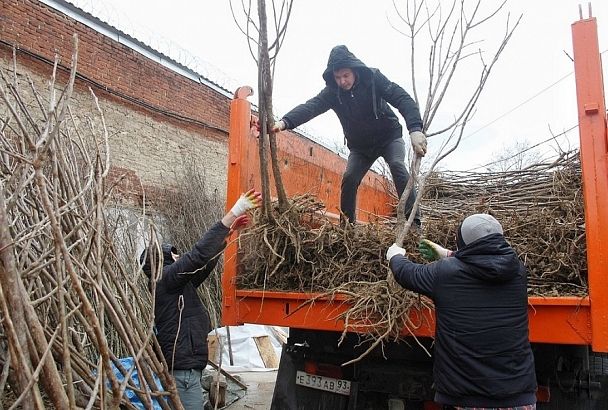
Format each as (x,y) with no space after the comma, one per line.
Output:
(267,353)
(279,334)
(214,348)
(229,346)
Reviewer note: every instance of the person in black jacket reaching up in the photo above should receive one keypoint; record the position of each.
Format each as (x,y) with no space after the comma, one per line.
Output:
(360,97)
(482,354)
(182,321)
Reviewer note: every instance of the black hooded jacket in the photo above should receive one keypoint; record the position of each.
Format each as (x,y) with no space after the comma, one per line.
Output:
(177,290)
(482,354)
(366,118)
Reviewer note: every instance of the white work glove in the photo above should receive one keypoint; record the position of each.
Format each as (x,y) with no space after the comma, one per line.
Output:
(249,200)
(432,251)
(278,126)
(394,250)
(418,142)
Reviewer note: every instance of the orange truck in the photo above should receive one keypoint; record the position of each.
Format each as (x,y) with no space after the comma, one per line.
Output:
(569,334)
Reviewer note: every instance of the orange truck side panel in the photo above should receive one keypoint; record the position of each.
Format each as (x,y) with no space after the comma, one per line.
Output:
(552,320)
(594,149)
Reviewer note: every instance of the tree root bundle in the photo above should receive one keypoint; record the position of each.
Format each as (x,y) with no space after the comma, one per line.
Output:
(302,250)
(540,209)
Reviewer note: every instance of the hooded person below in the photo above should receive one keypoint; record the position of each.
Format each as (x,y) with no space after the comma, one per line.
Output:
(177,304)
(482,353)
(181,320)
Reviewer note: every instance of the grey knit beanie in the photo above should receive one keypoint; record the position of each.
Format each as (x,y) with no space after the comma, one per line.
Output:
(477,226)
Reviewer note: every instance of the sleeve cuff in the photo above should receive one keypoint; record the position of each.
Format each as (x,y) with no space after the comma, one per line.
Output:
(288,124)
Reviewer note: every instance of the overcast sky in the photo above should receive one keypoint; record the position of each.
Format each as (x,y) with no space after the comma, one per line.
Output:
(529,93)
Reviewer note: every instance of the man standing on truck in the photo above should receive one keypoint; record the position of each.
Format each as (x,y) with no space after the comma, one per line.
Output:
(182,321)
(482,354)
(360,97)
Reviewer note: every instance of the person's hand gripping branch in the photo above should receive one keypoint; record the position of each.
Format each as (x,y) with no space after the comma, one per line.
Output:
(418,142)
(432,251)
(393,251)
(278,126)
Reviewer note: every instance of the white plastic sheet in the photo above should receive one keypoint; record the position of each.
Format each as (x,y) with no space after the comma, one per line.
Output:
(245,354)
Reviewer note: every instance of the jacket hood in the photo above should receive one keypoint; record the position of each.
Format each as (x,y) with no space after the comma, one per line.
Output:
(147,257)
(491,258)
(341,57)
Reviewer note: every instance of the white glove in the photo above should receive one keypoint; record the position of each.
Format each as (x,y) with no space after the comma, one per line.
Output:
(394,250)
(249,200)
(278,126)
(432,251)
(418,142)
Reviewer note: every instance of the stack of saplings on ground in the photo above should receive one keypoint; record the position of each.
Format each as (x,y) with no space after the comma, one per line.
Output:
(75,312)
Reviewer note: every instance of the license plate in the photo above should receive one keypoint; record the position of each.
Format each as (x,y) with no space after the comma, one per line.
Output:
(323,383)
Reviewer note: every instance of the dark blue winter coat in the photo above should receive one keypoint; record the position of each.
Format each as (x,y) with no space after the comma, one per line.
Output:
(366,118)
(482,354)
(177,289)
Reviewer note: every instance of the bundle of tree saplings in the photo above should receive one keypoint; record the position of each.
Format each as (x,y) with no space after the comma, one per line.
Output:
(302,250)
(540,208)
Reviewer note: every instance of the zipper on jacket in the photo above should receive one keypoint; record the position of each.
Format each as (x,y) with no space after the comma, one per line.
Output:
(374,105)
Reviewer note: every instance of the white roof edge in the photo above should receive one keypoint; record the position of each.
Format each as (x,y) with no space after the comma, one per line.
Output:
(108,30)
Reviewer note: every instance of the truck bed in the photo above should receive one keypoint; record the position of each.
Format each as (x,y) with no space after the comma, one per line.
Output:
(311,168)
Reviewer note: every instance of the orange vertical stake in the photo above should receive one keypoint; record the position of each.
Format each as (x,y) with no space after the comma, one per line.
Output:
(240,114)
(594,162)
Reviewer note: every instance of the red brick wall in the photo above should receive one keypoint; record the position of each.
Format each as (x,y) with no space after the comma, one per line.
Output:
(157,118)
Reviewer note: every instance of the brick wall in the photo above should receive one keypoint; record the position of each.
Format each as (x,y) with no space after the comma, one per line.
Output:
(157,119)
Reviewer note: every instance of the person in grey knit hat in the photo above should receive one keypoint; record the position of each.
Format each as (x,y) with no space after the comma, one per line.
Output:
(361,97)
(482,354)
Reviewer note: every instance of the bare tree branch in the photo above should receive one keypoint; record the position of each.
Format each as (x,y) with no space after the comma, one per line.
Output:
(265,58)
(450,45)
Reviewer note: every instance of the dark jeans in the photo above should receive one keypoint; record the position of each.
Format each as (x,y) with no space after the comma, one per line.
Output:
(360,162)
